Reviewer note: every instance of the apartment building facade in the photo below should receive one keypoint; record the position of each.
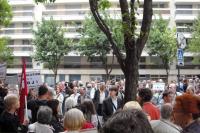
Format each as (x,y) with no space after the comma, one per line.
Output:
(26,15)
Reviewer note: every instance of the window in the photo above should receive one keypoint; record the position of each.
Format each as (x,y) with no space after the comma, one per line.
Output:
(25,25)
(27,13)
(73,6)
(26,31)
(51,6)
(26,42)
(26,49)
(49,79)
(11,42)
(12,25)
(75,77)
(27,8)
(61,77)
(9,31)
(183,6)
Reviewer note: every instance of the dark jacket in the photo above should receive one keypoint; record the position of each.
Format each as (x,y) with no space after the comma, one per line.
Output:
(108,107)
(34,105)
(96,99)
(56,125)
(9,123)
(193,127)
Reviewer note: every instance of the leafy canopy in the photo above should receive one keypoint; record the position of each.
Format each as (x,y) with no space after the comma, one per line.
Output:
(5,18)
(5,13)
(162,41)
(94,42)
(51,45)
(194,44)
(5,52)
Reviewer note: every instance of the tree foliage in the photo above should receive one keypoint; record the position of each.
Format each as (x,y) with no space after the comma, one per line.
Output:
(162,42)
(95,44)
(194,44)
(5,18)
(5,13)
(51,45)
(5,51)
(133,43)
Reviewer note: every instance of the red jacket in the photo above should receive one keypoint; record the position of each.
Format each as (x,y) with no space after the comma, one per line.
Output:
(151,110)
(87,125)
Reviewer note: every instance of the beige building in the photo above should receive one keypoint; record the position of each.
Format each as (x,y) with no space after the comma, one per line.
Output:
(75,67)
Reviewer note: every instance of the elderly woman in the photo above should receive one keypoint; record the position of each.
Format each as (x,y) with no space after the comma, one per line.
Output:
(44,117)
(73,121)
(9,121)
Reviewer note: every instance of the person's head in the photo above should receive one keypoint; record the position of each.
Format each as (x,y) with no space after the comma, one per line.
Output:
(127,121)
(73,120)
(88,109)
(44,115)
(186,109)
(102,87)
(54,105)
(190,89)
(11,102)
(132,105)
(166,111)
(43,92)
(75,90)
(167,96)
(82,90)
(113,91)
(93,84)
(144,95)
(60,87)
(172,88)
(69,103)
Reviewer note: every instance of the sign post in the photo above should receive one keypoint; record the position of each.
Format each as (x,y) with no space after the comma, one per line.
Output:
(181,44)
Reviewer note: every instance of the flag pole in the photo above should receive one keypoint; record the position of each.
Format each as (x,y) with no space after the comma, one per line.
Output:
(25,89)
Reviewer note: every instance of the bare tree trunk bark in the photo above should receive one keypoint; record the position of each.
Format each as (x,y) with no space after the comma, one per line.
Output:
(131,76)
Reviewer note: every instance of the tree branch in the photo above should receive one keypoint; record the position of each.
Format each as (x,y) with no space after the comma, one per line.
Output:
(126,22)
(111,67)
(145,28)
(102,25)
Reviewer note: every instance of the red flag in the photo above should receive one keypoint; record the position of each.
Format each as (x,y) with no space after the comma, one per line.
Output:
(23,93)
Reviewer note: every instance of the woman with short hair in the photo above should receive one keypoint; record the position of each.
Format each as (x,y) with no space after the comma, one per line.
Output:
(73,121)
(9,120)
(44,117)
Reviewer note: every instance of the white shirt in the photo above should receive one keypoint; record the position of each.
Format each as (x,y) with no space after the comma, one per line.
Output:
(115,103)
(92,92)
(75,97)
(60,98)
(102,97)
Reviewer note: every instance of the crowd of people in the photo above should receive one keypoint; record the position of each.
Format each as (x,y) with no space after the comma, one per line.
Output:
(99,106)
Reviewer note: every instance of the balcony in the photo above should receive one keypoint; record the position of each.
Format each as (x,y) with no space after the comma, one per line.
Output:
(186,14)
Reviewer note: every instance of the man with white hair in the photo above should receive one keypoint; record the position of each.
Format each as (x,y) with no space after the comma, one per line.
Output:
(164,125)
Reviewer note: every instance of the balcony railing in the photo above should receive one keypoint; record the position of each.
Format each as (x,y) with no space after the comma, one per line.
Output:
(188,12)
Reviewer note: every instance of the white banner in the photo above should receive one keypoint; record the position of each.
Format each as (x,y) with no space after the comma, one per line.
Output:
(3,69)
(159,86)
(33,79)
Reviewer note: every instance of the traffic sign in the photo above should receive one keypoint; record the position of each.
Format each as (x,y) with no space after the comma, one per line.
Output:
(180,57)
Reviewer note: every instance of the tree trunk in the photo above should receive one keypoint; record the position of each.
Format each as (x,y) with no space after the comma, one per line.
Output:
(55,78)
(167,73)
(131,76)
